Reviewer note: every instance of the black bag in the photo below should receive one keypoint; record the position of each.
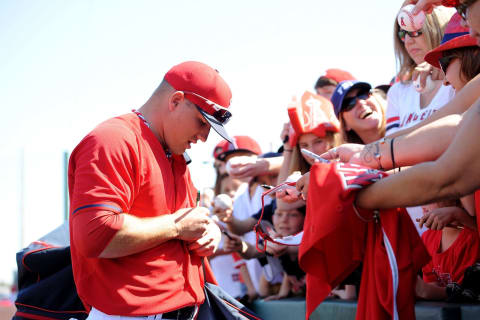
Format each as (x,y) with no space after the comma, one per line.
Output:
(45,280)
(220,305)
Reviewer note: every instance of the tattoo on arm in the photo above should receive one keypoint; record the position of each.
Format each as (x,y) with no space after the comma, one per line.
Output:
(367,153)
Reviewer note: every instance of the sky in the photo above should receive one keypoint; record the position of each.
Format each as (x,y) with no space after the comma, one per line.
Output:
(66,66)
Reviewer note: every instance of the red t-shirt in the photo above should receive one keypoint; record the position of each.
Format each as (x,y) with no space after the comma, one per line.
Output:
(449,266)
(121,167)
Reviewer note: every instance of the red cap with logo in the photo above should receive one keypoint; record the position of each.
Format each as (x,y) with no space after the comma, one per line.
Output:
(241,144)
(203,86)
(313,114)
(456,36)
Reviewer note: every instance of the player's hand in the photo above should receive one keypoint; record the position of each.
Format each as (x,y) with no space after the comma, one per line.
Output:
(208,243)
(425,5)
(439,218)
(224,215)
(191,223)
(302,185)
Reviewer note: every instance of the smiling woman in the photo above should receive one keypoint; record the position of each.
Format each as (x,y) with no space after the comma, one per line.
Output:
(361,111)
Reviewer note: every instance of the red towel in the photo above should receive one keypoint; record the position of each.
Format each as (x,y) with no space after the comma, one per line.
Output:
(336,240)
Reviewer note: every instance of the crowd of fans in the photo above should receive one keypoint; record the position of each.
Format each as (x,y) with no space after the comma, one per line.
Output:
(434,64)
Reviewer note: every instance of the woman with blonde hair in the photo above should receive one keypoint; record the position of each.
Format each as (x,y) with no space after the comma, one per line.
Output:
(409,104)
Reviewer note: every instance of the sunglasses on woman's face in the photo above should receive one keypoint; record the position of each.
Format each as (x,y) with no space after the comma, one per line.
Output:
(412,34)
(462,8)
(445,62)
(349,103)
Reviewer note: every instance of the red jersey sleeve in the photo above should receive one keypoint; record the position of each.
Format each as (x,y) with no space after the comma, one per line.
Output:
(102,172)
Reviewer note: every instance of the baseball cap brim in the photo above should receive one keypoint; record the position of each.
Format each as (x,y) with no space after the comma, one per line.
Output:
(216,125)
(362,86)
(434,55)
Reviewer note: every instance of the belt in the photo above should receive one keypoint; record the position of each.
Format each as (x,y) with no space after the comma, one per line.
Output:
(186,313)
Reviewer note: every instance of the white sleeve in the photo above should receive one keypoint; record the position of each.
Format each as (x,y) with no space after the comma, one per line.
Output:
(392,114)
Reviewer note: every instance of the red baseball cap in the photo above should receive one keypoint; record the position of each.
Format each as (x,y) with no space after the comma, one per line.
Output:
(314,114)
(455,36)
(203,86)
(338,75)
(240,144)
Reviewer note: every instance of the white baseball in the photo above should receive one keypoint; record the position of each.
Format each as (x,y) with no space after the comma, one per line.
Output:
(223,201)
(409,22)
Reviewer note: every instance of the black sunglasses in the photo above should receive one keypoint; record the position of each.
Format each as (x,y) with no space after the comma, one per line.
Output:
(462,8)
(220,113)
(445,62)
(349,103)
(412,34)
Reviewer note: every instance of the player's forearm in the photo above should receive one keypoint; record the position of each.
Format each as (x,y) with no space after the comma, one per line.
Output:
(458,105)
(140,234)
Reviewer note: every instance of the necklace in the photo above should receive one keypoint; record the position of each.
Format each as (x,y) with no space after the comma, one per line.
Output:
(142,117)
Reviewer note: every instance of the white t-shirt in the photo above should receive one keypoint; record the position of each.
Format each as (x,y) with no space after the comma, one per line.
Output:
(227,274)
(403,111)
(243,208)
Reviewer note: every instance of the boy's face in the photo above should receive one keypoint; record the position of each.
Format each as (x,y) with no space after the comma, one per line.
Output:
(288,222)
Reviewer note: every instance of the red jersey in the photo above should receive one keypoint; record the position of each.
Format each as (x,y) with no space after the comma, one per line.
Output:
(449,266)
(337,239)
(121,167)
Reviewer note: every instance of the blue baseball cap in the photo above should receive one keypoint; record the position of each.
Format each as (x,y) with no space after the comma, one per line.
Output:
(343,89)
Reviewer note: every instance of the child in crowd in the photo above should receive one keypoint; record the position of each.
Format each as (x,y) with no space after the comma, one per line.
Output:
(287,220)
(453,249)
(314,127)
(327,82)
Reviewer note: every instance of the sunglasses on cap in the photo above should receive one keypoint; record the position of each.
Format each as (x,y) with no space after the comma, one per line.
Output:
(349,103)
(445,62)
(412,34)
(462,8)
(221,114)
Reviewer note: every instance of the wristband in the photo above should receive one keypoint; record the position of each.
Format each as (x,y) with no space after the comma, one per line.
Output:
(392,154)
